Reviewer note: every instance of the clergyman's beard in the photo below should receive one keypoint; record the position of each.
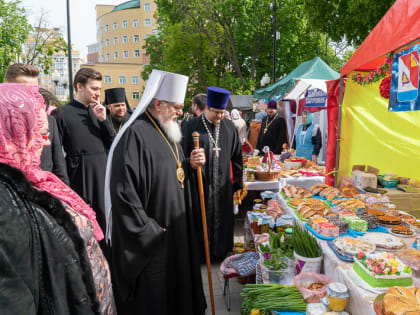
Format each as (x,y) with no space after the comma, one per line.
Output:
(172,130)
(119,118)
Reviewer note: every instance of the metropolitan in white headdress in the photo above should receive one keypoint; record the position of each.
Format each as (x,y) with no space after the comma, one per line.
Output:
(155,258)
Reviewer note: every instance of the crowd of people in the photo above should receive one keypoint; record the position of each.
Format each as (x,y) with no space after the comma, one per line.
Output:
(99,209)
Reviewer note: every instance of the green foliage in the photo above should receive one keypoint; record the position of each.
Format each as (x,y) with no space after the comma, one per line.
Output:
(353,19)
(14,29)
(228,43)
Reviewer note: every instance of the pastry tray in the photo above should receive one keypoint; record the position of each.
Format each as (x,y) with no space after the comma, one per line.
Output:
(415,245)
(344,258)
(284,196)
(322,237)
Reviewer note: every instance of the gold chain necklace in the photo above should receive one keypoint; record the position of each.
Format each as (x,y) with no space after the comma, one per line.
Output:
(268,124)
(180,174)
(112,124)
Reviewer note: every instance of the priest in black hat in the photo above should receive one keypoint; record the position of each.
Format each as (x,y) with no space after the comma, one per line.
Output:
(118,108)
(220,140)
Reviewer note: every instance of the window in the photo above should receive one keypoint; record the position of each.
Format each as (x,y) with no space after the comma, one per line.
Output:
(102,58)
(107,57)
(147,35)
(106,28)
(136,95)
(134,79)
(107,79)
(147,22)
(136,38)
(136,23)
(116,55)
(115,40)
(124,24)
(136,53)
(125,54)
(107,42)
(102,44)
(125,39)
(115,25)
(123,79)
(102,29)
(147,7)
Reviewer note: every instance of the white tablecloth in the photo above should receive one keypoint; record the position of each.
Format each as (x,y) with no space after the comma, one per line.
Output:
(302,181)
(260,185)
(361,301)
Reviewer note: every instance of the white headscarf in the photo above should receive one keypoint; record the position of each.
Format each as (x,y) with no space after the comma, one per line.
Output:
(234,114)
(167,86)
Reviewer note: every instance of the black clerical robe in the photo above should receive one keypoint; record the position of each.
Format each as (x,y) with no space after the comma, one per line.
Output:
(275,135)
(52,157)
(154,271)
(86,142)
(218,186)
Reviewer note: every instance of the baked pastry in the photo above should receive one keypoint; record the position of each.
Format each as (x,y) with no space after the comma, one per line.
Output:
(389,219)
(316,189)
(375,212)
(384,241)
(401,229)
(402,301)
(296,202)
(411,258)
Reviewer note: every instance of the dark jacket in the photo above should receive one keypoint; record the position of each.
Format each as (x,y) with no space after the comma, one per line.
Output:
(52,157)
(44,268)
(275,135)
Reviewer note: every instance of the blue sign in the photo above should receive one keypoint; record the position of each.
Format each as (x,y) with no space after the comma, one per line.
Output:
(316,98)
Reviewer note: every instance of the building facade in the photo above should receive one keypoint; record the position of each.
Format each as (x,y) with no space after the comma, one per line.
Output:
(121,31)
(57,79)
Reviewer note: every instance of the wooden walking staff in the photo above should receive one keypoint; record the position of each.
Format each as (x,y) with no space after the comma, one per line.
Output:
(196,138)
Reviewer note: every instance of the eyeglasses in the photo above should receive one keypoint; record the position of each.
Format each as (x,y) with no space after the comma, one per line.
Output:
(217,112)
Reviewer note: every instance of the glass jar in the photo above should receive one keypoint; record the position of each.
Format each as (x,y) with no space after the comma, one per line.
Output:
(250,176)
(338,296)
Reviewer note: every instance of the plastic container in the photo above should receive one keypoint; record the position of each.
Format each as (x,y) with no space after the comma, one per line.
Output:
(282,276)
(305,279)
(338,296)
(387,183)
(306,264)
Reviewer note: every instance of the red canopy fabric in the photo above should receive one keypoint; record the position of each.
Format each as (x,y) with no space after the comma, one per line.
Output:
(399,26)
(333,90)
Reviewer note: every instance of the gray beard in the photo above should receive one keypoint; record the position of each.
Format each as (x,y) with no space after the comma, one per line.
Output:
(172,130)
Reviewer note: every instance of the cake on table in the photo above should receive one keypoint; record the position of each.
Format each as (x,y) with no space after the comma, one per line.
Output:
(382,270)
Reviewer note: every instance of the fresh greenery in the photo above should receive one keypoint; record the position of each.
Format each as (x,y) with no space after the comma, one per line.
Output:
(352,19)
(271,297)
(304,243)
(229,43)
(277,251)
(14,29)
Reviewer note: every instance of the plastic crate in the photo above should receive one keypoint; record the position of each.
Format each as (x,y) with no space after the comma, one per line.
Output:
(387,183)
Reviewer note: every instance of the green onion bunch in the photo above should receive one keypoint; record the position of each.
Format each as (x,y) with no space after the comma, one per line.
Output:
(271,297)
(304,243)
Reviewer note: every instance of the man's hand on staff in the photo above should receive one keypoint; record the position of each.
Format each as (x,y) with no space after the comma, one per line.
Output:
(99,110)
(197,158)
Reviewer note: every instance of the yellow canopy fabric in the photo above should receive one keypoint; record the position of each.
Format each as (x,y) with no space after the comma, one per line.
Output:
(370,135)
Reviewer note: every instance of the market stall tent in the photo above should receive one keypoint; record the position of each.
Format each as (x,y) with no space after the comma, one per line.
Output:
(369,133)
(312,69)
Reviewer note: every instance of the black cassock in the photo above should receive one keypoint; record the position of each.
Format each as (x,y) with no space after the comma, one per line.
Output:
(275,136)
(218,187)
(154,272)
(86,142)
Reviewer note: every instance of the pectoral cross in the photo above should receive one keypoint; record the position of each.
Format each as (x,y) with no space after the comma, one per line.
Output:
(216,149)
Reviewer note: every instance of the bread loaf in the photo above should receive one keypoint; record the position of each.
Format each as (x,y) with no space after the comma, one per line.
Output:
(402,301)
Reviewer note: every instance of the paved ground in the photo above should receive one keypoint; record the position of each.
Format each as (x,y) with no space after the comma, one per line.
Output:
(218,281)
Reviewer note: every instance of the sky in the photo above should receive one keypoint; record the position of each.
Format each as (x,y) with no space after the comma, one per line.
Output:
(82,18)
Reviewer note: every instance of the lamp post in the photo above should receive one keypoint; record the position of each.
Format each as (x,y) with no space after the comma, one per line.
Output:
(265,80)
(64,82)
(70,63)
(55,78)
(274,5)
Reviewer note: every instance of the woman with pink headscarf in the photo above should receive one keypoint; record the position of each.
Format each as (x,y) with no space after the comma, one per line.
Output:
(50,260)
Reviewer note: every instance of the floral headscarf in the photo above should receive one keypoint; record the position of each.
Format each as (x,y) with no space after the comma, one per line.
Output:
(21,142)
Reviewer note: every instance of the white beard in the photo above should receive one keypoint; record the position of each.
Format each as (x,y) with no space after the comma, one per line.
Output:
(172,130)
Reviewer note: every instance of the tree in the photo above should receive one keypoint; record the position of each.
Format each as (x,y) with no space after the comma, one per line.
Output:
(42,44)
(228,42)
(14,29)
(352,19)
